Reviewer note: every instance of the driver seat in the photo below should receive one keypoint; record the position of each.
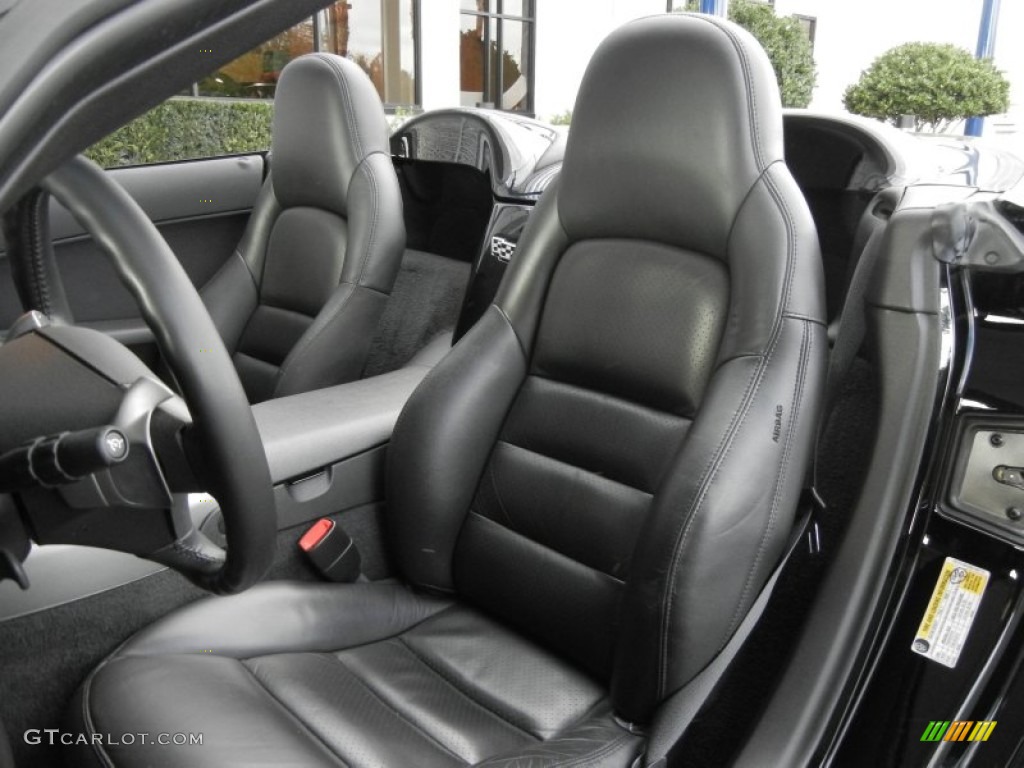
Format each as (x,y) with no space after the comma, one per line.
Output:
(584,497)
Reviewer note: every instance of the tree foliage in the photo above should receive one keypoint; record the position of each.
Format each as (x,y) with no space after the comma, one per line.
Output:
(939,84)
(562,118)
(787,45)
(785,42)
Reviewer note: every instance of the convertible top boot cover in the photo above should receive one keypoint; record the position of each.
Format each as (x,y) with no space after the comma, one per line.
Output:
(595,482)
(299,301)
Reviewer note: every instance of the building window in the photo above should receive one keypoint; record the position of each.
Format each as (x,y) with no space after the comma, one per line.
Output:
(496,54)
(378,35)
(809,24)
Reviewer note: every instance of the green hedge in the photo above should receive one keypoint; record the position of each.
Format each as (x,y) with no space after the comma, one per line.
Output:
(938,83)
(186,128)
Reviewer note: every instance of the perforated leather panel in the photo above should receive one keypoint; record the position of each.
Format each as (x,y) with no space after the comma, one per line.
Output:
(635,320)
(627,341)
(399,680)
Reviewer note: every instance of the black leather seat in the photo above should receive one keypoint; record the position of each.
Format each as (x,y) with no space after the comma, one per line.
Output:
(298,302)
(584,496)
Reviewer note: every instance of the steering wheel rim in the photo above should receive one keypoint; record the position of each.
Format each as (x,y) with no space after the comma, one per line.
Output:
(225,433)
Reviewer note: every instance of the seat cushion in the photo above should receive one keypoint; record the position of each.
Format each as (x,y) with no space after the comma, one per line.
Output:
(344,675)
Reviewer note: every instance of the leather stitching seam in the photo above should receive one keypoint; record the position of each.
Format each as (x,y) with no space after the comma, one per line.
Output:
(304,343)
(97,748)
(655,410)
(314,736)
(449,680)
(741,52)
(372,240)
(708,475)
(619,582)
(588,759)
(576,468)
(40,284)
(796,400)
(725,446)
(515,333)
(492,478)
(346,102)
(791,242)
(194,554)
(391,708)
(573,762)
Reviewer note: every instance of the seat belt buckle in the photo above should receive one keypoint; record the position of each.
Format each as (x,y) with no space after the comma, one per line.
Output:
(331,551)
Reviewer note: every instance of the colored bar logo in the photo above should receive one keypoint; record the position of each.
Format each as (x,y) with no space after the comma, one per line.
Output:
(958,730)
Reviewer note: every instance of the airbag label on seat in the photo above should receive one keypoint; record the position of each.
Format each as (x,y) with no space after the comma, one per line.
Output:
(951,611)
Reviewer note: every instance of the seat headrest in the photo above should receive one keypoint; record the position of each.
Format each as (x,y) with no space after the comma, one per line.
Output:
(676,118)
(327,119)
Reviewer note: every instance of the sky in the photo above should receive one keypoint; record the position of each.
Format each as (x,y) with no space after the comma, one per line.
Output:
(850,35)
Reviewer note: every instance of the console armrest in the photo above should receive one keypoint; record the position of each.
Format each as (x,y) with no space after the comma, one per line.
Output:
(306,432)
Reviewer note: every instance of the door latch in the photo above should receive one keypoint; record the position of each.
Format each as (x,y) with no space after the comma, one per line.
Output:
(1011,476)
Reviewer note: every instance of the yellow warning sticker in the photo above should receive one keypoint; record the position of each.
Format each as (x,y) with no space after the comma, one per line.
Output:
(950,613)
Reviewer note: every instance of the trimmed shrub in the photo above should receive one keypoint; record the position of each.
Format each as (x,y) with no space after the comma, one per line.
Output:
(939,84)
(186,128)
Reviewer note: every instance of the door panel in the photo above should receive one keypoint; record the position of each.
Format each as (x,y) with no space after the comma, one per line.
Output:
(201,207)
(94,291)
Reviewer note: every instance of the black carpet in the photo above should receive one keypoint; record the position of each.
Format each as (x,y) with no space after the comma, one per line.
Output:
(45,656)
(426,300)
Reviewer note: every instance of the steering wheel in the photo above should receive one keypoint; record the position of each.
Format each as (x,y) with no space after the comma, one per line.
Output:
(61,378)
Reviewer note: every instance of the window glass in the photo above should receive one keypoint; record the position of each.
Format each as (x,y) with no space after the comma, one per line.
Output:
(254,74)
(515,77)
(513,7)
(229,111)
(378,35)
(478,36)
(187,128)
(495,54)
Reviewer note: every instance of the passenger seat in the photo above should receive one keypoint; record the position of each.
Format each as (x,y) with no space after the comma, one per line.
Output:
(299,301)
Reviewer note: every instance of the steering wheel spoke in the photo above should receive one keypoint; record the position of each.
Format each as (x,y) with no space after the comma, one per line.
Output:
(191,551)
(71,379)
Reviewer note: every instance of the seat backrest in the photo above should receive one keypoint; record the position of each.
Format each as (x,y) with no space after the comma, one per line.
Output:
(299,301)
(611,459)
